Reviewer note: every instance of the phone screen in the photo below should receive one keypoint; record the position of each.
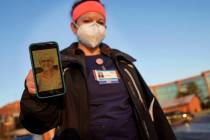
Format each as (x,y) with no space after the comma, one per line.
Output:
(47,69)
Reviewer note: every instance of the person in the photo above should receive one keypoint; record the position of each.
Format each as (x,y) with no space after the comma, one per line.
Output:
(49,78)
(119,106)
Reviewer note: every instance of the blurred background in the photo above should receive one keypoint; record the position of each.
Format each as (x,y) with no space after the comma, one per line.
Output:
(169,39)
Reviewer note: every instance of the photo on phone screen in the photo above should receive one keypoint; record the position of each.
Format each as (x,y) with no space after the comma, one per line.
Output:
(47,69)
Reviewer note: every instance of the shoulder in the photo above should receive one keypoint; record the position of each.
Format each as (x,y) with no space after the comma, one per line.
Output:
(123,55)
(70,49)
(68,55)
(117,53)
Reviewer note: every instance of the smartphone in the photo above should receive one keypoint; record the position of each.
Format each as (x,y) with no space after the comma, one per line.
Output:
(47,69)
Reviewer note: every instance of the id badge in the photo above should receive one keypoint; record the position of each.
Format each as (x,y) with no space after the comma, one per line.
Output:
(106,76)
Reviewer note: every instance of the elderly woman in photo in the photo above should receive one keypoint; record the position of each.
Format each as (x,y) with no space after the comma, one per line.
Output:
(49,78)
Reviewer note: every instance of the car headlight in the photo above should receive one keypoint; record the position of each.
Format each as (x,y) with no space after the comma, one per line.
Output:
(184,115)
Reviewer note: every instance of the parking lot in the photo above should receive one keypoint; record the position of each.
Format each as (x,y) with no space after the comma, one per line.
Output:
(197,129)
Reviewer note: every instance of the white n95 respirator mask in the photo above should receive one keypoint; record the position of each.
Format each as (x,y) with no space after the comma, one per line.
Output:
(91,34)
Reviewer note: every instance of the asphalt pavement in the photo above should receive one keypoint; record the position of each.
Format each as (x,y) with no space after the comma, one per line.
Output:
(198,129)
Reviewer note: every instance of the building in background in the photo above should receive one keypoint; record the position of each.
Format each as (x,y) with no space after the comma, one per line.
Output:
(190,103)
(8,115)
(199,84)
(10,127)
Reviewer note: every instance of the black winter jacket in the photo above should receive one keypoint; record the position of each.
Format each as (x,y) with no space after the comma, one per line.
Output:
(70,112)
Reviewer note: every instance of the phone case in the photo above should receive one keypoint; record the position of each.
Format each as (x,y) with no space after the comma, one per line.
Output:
(61,70)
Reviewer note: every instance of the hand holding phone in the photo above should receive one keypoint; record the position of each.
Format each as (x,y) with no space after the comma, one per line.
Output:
(47,70)
(30,83)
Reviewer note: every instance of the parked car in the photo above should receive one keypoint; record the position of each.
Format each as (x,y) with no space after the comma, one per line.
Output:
(206,103)
(175,118)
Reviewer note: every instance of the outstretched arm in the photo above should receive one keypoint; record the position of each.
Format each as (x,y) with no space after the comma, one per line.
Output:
(37,116)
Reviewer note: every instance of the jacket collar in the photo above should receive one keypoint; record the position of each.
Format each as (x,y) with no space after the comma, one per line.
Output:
(74,55)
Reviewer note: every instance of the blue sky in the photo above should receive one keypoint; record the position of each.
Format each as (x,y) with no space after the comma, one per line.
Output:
(169,38)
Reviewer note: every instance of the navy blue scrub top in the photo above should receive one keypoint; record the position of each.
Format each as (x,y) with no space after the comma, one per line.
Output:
(111,116)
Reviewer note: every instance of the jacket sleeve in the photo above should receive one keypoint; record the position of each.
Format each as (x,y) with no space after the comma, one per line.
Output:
(162,127)
(38,116)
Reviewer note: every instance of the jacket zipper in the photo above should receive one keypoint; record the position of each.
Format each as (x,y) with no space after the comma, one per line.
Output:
(140,97)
